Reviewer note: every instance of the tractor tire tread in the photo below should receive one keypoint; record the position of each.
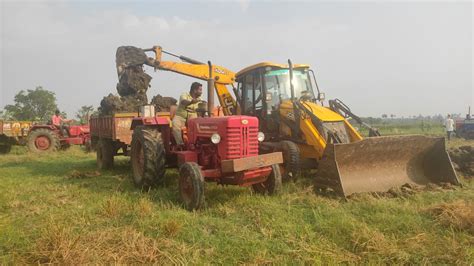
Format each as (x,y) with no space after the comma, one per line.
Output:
(198,200)
(154,157)
(54,139)
(291,158)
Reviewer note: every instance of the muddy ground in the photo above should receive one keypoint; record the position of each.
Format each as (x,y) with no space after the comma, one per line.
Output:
(463,160)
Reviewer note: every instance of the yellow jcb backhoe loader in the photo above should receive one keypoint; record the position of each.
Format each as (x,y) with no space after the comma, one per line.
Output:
(312,135)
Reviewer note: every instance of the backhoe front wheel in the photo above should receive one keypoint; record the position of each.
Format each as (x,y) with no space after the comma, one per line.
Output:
(191,186)
(148,157)
(291,160)
(272,185)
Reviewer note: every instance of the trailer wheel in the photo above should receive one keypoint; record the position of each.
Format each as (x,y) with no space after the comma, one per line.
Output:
(105,154)
(291,160)
(42,139)
(191,186)
(272,185)
(148,157)
(5,148)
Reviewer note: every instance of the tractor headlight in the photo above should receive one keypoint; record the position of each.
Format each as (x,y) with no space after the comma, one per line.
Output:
(215,138)
(260,136)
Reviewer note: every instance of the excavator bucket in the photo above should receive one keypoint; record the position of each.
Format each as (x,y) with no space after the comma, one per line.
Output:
(380,163)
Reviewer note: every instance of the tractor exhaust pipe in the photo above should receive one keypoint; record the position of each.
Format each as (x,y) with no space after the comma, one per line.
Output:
(210,91)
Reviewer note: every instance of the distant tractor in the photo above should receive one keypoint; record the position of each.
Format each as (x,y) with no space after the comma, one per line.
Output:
(44,138)
(13,133)
(465,127)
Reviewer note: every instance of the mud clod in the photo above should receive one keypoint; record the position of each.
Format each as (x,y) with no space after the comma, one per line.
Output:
(163,104)
(133,82)
(463,159)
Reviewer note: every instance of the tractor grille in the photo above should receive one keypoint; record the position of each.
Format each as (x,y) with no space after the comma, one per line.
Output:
(241,142)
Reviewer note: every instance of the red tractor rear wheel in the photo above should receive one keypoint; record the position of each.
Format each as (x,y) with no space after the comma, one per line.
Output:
(148,157)
(43,139)
(191,186)
(272,185)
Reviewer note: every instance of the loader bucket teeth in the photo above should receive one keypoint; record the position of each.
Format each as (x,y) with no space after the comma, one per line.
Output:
(380,163)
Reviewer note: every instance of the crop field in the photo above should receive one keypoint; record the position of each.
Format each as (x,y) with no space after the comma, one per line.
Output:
(57,208)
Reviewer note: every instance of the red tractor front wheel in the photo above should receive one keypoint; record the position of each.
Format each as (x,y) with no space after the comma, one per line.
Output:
(42,140)
(272,185)
(191,186)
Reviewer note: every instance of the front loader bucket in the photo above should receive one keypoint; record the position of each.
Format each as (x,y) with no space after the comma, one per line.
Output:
(380,163)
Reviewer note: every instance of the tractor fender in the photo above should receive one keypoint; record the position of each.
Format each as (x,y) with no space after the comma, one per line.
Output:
(150,121)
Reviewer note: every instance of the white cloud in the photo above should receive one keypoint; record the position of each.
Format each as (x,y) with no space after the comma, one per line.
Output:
(363,58)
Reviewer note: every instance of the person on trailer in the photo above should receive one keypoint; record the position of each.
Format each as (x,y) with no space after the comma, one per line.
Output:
(187,108)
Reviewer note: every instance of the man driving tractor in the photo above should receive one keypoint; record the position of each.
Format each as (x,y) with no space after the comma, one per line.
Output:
(187,108)
(60,123)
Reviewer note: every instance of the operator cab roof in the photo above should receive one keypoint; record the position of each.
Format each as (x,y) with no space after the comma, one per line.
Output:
(267,64)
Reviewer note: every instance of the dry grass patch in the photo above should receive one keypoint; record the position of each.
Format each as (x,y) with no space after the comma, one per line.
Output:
(61,245)
(458,214)
(114,206)
(144,207)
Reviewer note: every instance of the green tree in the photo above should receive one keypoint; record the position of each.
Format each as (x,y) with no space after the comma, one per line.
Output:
(37,104)
(84,113)
(5,115)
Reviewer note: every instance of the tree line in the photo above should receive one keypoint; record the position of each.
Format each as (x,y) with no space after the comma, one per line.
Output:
(39,105)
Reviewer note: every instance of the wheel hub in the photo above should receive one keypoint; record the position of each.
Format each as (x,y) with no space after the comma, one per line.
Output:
(42,143)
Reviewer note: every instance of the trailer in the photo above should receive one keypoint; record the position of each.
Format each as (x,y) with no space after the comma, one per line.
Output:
(111,135)
(13,133)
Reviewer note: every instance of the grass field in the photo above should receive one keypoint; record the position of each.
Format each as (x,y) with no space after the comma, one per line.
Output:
(56,208)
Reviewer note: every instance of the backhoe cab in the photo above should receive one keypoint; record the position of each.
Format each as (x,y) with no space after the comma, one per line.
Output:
(310,135)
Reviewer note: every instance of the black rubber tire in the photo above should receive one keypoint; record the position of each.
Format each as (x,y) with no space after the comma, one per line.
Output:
(88,145)
(148,157)
(55,144)
(191,186)
(105,154)
(5,148)
(273,184)
(291,160)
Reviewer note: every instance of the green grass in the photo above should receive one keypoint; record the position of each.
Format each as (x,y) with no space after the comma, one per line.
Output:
(56,208)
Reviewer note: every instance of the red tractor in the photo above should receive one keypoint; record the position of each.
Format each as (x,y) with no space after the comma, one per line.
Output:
(43,138)
(217,149)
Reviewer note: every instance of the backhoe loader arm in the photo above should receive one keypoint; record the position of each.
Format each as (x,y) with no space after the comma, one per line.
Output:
(196,69)
(339,107)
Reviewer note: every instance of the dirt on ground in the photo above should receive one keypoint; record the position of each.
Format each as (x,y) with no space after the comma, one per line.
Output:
(404,190)
(463,160)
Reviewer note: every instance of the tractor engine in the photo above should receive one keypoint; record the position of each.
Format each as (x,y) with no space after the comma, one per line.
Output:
(223,138)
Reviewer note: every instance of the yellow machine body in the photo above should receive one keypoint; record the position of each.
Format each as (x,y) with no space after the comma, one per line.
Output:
(353,164)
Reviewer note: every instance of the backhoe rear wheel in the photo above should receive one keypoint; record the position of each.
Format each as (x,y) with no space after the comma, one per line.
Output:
(148,157)
(191,186)
(42,139)
(271,186)
(291,160)
(105,154)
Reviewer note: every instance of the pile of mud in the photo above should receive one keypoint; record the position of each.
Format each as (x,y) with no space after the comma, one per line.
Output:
(163,104)
(463,160)
(133,82)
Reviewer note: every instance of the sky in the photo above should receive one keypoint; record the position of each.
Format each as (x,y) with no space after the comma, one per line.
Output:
(403,58)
